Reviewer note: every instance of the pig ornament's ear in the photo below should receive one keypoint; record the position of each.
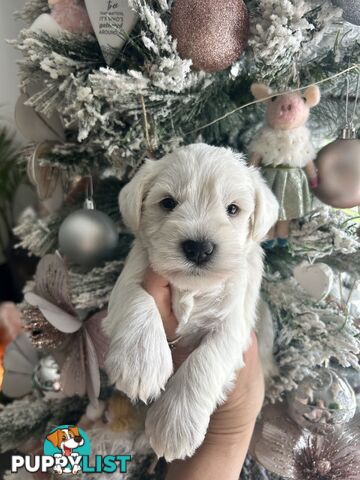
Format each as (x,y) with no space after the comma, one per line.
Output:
(312,95)
(260,91)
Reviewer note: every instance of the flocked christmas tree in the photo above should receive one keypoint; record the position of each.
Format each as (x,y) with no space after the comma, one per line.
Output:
(105,85)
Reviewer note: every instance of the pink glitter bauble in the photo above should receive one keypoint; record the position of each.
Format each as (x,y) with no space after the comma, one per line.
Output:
(212,33)
(71,15)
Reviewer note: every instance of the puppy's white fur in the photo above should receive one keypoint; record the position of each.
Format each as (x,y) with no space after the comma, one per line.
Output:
(214,304)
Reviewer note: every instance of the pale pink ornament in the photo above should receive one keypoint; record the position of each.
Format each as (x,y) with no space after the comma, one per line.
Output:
(211,33)
(338,165)
(71,15)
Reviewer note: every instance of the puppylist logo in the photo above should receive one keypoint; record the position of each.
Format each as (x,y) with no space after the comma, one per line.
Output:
(67,450)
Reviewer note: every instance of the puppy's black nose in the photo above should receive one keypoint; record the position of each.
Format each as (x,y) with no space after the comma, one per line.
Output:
(78,439)
(198,252)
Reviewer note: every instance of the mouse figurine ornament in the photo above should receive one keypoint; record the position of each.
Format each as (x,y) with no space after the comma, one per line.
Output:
(285,154)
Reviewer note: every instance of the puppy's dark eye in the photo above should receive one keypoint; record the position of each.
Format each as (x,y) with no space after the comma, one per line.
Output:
(273,99)
(304,98)
(168,203)
(232,210)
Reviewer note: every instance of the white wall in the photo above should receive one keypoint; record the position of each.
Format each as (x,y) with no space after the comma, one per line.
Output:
(9,90)
(8,55)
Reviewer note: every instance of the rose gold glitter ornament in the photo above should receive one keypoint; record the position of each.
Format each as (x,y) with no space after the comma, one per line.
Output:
(339,171)
(42,334)
(212,33)
(351,9)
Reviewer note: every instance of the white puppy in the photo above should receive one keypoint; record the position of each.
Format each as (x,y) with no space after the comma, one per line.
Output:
(198,215)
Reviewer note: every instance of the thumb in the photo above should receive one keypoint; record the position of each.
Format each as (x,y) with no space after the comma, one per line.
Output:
(159,288)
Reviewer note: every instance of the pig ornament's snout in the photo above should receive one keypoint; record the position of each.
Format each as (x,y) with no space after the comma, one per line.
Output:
(287,111)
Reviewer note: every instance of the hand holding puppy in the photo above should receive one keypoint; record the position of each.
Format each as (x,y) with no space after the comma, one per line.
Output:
(222,453)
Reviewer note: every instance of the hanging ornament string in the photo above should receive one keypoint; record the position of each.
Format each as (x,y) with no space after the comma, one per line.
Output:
(254,102)
(146,127)
(89,200)
(355,107)
(350,123)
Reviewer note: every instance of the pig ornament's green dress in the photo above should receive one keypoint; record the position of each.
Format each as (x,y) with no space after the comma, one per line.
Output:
(284,154)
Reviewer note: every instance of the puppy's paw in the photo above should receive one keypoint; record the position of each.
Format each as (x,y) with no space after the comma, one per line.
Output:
(175,428)
(140,367)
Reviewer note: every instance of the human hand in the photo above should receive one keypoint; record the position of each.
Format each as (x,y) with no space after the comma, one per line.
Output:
(10,322)
(314,182)
(227,440)
(312,174)
(158,287)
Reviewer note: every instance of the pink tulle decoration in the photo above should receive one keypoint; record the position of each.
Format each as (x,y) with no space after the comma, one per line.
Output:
(71,15)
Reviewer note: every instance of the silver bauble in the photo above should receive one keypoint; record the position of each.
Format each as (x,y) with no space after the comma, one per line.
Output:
(212,33)
(351,9)
(338,167)
(321,403)
(87,236)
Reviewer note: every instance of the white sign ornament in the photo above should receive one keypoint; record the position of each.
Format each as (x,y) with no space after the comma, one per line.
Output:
(112,21)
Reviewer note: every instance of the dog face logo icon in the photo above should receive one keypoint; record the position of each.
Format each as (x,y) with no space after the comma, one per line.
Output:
(67,450)
(67,444)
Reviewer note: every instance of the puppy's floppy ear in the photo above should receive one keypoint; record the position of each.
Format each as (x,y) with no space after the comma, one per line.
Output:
(312,95)
(54,438)
(260,90)
(266,207)
(132,195)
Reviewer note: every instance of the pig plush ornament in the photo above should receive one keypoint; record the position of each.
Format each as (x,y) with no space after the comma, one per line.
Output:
(284,152)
